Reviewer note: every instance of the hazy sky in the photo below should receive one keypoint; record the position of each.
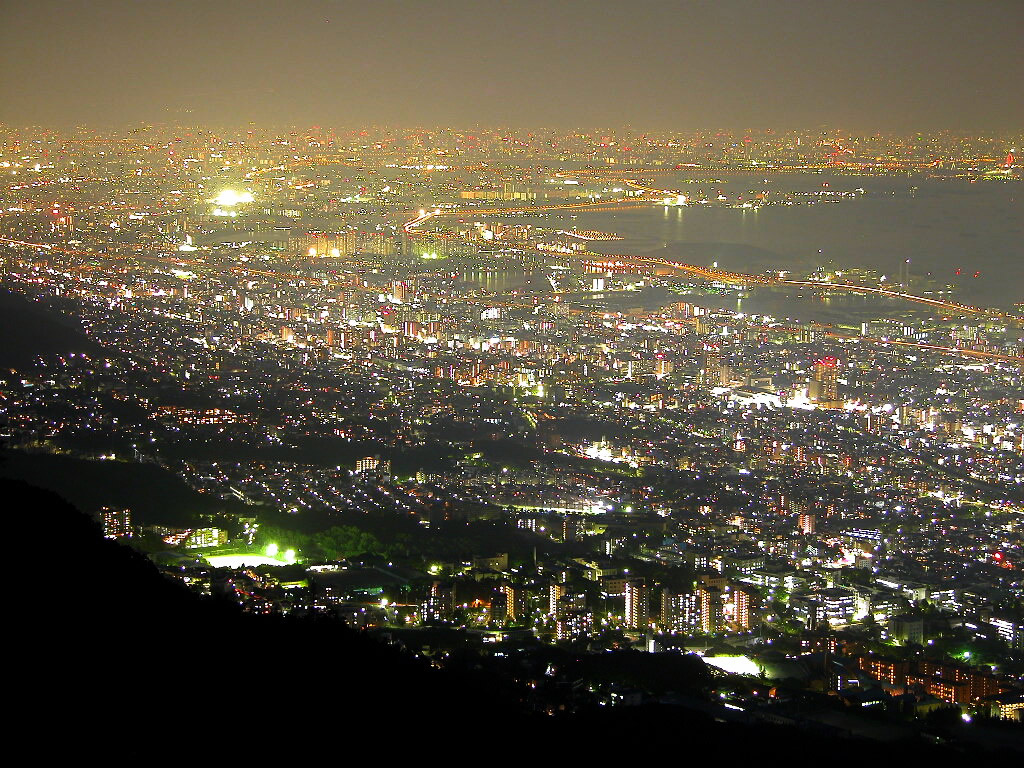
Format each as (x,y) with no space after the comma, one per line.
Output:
(653,64)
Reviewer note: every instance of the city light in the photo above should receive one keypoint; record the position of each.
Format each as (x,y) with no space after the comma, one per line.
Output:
(515,413)
(229,198)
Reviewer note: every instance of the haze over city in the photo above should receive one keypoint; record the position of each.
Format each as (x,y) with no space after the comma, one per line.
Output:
(652,64)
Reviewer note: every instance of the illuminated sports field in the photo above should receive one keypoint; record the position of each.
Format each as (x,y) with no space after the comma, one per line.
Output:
(740,665)
(238,561)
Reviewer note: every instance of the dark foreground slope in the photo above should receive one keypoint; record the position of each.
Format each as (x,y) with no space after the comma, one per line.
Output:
(112,660)
(34,328)
(119,659)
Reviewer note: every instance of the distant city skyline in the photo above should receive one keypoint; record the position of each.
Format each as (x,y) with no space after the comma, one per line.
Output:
(657,65)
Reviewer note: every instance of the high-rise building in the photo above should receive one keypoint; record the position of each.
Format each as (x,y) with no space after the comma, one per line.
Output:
(439,603)
(711,369)
(679,610)
(499,606)
(572,528)
(572,617)
(200,538)
(636,605)
(373,464)
(515,602)
(555,593)
(704,326)
(368,464)
(711,616)
(400,290)
(574,622)
(117,523)
(736,609)
(826,374)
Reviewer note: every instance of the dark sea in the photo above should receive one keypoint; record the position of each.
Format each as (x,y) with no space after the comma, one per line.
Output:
(940,225)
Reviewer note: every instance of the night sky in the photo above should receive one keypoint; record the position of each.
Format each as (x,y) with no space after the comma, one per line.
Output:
(897,65)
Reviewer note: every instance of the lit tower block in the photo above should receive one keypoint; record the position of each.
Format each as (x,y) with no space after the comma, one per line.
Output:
(826,374)
(117,523)
(636,605)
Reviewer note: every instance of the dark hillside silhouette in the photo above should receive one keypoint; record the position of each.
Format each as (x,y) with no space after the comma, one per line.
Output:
(112,659)
(121,659)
